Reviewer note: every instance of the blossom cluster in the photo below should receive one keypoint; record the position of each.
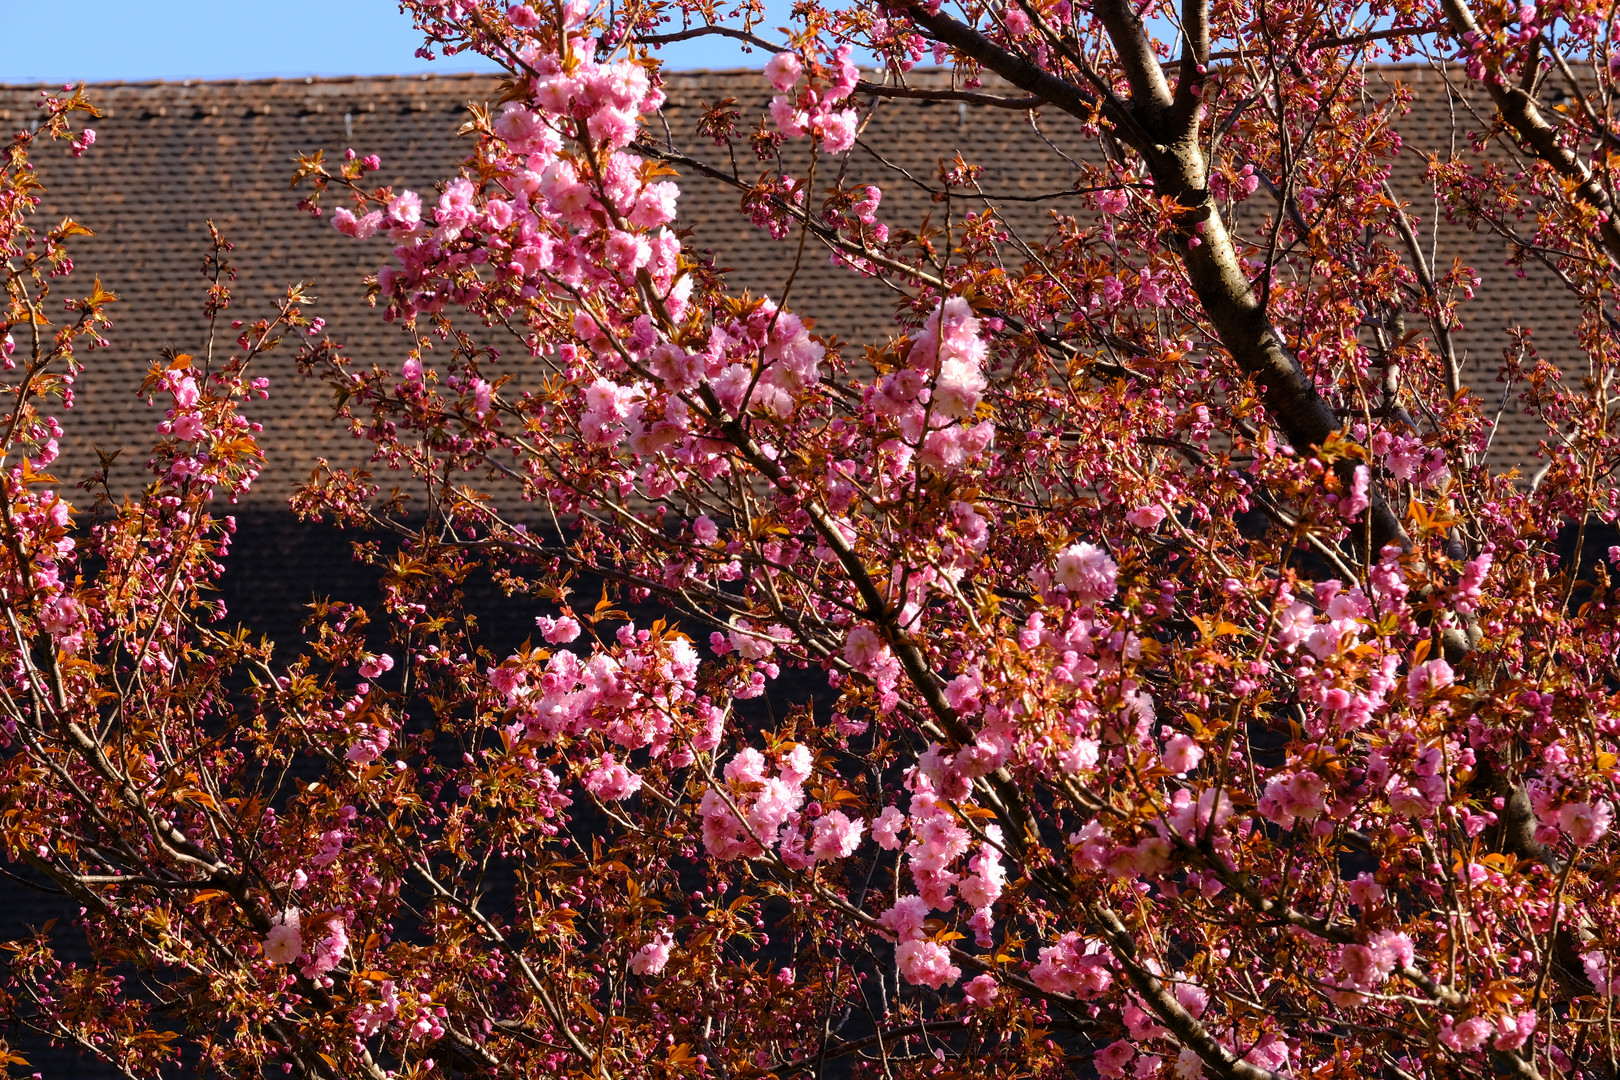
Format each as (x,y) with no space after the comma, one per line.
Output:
(1129,659)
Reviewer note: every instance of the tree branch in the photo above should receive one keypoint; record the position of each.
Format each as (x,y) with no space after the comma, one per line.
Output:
(972,97)
(1520,112)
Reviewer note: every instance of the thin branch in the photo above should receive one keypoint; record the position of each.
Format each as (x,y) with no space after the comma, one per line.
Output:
(710,31)
(972,97)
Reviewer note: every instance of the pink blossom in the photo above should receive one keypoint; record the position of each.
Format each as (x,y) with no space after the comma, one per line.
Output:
(483,397)
(962,693)
(344,221)
(950,344)
(838,131)
(613,128)
(611,780)
(1182,754)
(621,85)
(756,643)
(1427,679)
(784,69)
(1468,1035)
(792,121)
(957,388)
(866,209)
(522,16)
(1365,891)
(926,963)
(1512,1031)
(983,888)
(1112,202)
(498,214)
(523,129)
(655,205)
(1585,823)
(981,991)
(285,941)
(863,648)
(651,957)
(796,763)
(905,919)
(836,837)
(1086,571)
(1360,967)
(331,847)
(186,393)
(1596,964)
(1140,1024)
(848,74)
(627,252)
(405,211)
(373,666)
(558,631)
(1392,951)
(188,426)
(1195,999)
(1271,1053)
(1356,502)
(328,950)
(886,828)
(1208,812)
(1065,968)
(371,1017)
(1112,1059)
(1293,795)
(607,406)
(747,767)
(1146,517)
(1295,623)
(371,744)
(507,679)
(937,841)
(1079,756)
(943,450)
(1470,585)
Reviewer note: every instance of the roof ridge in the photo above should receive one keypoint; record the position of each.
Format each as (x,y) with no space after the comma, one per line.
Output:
(277,80)
(473,76)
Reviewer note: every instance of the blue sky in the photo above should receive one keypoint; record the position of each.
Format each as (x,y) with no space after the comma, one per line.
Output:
(103,40)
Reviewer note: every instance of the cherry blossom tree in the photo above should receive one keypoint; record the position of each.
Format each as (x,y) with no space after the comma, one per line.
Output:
(1202,704)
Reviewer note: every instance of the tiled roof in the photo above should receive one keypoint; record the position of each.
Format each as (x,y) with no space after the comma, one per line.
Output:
(171,156)
(1442,116)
